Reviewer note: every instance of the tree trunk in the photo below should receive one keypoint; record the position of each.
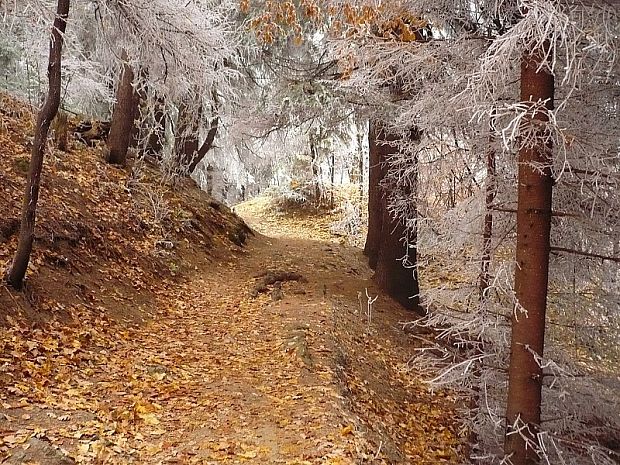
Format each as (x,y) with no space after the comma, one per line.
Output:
(125,112)
(332,175)
(186,137)
(188,149)
(314,162)
(487,233)
(17,272)
(532,272)
(157,132)
(396,270)
(210,180)
(205,147)
(361,165)
(375,216)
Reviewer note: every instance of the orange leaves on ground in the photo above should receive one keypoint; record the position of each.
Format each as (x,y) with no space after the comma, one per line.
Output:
(137,366)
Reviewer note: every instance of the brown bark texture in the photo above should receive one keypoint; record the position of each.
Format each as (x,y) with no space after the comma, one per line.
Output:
(314,165)
(396,270)
(532,271)
(206,145)
(487,233)
(157,130)
(123,116)
(186,137)
(17,272)
(187,146)
(375,216)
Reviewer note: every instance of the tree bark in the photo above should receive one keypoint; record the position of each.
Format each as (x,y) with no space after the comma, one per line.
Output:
(314,165)
(188,148)
(206,145)
(186,137)
(375,216)
(157,132)
(487,233)
(332,175)
(17,272)
(360,138)
(532,272)
(123,116)
(396,271)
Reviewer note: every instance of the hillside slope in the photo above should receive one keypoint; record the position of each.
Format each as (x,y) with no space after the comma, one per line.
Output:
(105,236)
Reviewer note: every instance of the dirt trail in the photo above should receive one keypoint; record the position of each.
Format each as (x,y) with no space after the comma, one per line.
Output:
(232,371)
(254,383)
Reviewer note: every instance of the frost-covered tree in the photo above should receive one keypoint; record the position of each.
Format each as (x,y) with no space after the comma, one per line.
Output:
(461,88)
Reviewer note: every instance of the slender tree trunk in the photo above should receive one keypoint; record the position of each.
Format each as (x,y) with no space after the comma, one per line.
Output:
(123,116)
(205,147)
(361,165)
(210,180)
(532,272)
(17,272)
(487,233)
(396,270)
(332,175)
(188,149)
(186,137)
(375,215)
(314,161)
(157,132)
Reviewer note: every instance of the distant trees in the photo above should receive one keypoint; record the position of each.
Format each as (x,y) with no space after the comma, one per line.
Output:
(17,271)
(455,70)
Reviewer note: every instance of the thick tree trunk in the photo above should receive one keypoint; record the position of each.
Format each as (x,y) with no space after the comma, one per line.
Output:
(532,272)
(17,272)
(396,270)
(375,215)
(123,116)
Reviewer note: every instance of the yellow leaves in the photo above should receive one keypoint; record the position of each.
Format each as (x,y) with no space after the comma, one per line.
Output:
(346,430)
(149,419)
(403,27)
(12,440)
(249,454)
(337,461)
(146,411)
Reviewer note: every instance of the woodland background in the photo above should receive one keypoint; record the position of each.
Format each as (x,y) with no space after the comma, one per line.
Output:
(474,144)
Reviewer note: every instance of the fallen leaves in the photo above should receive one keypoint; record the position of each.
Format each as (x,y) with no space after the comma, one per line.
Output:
(211,375)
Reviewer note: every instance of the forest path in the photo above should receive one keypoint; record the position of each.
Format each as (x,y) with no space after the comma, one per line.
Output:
(239,369)
(255,376)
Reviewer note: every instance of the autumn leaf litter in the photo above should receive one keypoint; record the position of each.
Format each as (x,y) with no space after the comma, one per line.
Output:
(123,351)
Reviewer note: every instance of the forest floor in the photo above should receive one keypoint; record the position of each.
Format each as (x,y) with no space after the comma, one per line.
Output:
(241,369)
(150,333)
